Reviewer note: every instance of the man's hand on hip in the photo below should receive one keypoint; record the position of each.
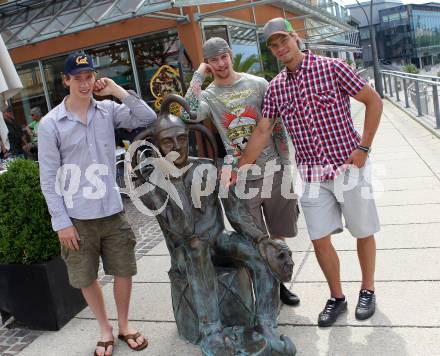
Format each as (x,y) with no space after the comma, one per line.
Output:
(69,238)
(228,177)
(357,158)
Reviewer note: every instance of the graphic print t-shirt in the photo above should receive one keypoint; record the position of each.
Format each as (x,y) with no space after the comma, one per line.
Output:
(235,111)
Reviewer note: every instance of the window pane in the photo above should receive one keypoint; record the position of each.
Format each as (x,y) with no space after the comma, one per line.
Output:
(53,68)
(113,61)
(245,49)
(32,94)
(216,31)
(152,52)
(270,63)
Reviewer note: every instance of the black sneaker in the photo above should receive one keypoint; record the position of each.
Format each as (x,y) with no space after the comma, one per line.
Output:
(287,297)
(366,305)
(333,308)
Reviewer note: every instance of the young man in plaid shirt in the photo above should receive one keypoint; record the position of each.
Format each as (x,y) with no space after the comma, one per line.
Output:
(312,96)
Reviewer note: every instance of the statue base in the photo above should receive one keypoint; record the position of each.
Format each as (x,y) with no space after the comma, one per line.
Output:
(235,297)
(246,341)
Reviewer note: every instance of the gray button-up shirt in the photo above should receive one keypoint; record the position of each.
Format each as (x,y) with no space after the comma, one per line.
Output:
(78,162)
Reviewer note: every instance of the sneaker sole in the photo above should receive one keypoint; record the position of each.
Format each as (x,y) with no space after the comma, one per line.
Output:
(364,317)
(330,323)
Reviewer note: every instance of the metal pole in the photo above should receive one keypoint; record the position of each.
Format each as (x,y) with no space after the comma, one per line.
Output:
(384,77)
(405,92)
(377,78)
(436,106)
(390,84)
(133,67)
(418,102)
(46,90)
(396,87)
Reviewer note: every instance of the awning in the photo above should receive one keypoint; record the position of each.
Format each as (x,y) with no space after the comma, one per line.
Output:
(24,22)
(319,24)
(10,85)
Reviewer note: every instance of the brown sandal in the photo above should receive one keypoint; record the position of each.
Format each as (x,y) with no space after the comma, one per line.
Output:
(105,345)
(133,337)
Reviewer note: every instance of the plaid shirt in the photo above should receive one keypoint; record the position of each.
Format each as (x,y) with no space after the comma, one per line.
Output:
(314,103)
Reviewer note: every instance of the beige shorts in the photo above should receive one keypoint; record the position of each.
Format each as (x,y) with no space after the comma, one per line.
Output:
(349,195)
(110,238)
(280,213)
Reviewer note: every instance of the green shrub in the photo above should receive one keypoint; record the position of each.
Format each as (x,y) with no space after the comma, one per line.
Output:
(410,68)
(26,235)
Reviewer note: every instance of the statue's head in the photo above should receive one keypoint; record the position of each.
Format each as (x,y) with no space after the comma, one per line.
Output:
(171,134)
(279,258)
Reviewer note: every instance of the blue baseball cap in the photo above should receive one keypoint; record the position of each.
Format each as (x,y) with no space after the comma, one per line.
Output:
(78,62)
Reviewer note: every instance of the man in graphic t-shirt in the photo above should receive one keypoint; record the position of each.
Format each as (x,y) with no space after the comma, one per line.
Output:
(233,103)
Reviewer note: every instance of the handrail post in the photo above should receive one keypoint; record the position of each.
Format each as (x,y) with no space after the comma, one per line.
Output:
(384,77)
(418,101)
(405,92)
(396,88)
(436,106)
(390,84)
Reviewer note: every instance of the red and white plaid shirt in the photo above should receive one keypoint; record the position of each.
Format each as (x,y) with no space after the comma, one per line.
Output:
(314,103)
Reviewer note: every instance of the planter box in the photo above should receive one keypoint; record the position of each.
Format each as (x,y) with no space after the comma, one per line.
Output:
(39,295)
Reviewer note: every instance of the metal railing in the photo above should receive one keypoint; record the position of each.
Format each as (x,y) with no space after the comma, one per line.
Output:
(418,92)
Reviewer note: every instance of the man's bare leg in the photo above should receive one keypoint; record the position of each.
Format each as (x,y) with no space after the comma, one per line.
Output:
(94,298)
(366,249)
(329,262)
(122,293)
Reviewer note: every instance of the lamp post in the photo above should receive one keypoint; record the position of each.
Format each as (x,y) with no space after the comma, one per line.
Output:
(376,70)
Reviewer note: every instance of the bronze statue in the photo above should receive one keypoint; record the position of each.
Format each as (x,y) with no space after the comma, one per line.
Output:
(208,263)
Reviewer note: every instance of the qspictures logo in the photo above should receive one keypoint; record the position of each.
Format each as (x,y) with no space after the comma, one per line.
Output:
(206,180)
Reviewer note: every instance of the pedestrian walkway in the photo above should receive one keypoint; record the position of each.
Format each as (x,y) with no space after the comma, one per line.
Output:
(406,160)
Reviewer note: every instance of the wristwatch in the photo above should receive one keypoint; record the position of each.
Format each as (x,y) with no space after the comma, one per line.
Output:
(366,149)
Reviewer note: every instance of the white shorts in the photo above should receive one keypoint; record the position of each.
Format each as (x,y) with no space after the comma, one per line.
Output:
(350,195)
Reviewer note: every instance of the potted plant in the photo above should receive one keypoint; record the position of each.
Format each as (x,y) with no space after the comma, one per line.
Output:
(34,285)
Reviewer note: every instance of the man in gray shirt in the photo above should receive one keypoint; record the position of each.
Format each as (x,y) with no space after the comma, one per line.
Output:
(233,103)
(76,146)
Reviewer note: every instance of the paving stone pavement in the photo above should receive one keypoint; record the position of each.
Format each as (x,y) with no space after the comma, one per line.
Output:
(15,337)
(406,161)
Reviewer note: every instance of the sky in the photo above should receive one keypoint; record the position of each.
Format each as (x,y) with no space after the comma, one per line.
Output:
(346,2)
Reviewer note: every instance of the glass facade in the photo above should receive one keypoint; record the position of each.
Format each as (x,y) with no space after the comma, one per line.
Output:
(243,42)
(151,53)
(216,31)
(53,69)
(113,61)
(32,94)
(427,28)
(411,33)
(397,34)
(271,67)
